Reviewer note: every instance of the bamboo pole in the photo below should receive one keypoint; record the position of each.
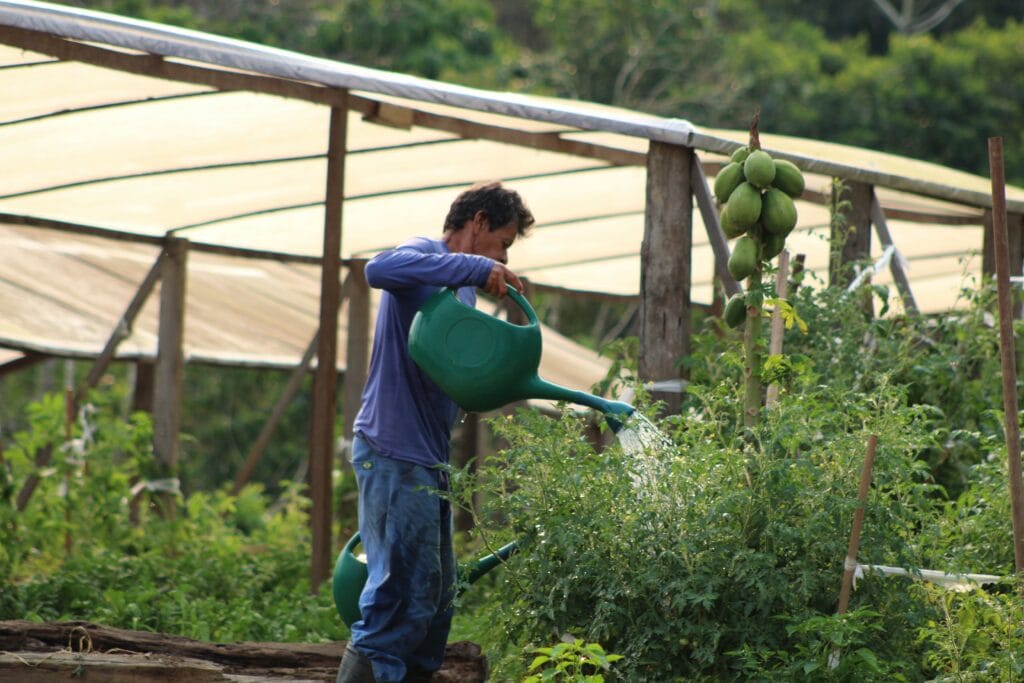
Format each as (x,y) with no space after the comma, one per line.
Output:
(1006,347)
(850,564)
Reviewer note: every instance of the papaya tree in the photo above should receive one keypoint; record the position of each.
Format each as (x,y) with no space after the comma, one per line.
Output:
(759,213)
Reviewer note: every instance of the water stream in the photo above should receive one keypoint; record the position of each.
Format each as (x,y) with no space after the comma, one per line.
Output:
(650,449)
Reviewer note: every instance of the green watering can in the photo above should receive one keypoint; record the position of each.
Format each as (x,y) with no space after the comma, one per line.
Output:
(350,576)
(483,362)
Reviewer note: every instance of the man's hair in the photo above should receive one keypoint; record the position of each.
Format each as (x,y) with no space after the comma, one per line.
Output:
(502,206)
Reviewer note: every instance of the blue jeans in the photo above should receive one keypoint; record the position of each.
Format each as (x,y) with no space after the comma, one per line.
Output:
(406,531)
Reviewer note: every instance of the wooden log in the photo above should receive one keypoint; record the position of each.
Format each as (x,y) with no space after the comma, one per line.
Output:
(56,650)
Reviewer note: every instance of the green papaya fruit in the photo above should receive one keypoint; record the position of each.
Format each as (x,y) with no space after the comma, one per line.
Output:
(744,205)
(740,155)
(727,180)
(788,178)
(743,259)
(735,310)
(759,169)
(730,229)
(773,246)
(778,212)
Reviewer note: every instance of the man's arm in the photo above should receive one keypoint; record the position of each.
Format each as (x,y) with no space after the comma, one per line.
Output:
(408,267)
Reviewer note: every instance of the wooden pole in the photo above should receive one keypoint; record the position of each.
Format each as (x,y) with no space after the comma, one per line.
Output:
(357,351)
(712,225)
(665,267)
(1006,347)
(122,329)
(69,426)
(885,237)
(325,385)
(775,340)
(169,370)
(850,564)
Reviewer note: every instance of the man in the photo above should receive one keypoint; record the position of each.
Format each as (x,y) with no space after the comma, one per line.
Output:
(402,435)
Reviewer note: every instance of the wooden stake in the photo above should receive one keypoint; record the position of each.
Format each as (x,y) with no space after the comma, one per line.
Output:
(850,564)
(1006,347)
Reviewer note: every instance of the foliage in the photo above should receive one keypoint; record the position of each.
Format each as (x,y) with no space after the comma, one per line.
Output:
(224,568)
(976,636)
(948,363)
(446,39)
(570,660)
(226,409)
(823,648)
(719,557)
(927,99)
(675,559)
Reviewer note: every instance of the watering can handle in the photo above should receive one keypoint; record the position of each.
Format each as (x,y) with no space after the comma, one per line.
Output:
(531,315)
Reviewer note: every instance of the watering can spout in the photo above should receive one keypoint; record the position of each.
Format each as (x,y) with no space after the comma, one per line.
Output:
(472,571)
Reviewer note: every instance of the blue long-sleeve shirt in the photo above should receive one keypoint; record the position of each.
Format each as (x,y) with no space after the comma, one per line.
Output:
(404,414)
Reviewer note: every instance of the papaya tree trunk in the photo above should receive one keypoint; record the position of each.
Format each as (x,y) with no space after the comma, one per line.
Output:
(752,351)
(752,329)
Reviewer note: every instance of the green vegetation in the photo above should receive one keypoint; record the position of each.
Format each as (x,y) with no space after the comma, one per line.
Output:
(719,557)
(224,568)
(716,556)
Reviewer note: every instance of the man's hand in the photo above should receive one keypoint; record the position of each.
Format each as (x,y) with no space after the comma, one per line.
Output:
(498,277)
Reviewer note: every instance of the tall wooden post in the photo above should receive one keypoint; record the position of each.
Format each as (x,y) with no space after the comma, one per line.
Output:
(1008,363)
(325,384)
(1014,250)
(169,370)
(358,348)
(665,266)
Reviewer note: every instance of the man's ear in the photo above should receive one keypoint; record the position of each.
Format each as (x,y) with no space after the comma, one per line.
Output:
(480,221)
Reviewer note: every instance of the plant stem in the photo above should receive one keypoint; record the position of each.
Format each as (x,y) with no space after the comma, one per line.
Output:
(752,330)
(751,350)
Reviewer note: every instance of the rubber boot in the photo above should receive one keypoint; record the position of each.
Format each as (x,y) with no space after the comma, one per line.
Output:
(355,668)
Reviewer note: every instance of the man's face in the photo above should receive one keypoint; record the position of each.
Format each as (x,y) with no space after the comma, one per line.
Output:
(493,243)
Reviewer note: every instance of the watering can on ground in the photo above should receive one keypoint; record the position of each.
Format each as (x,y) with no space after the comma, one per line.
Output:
(350,574)
(484,363)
